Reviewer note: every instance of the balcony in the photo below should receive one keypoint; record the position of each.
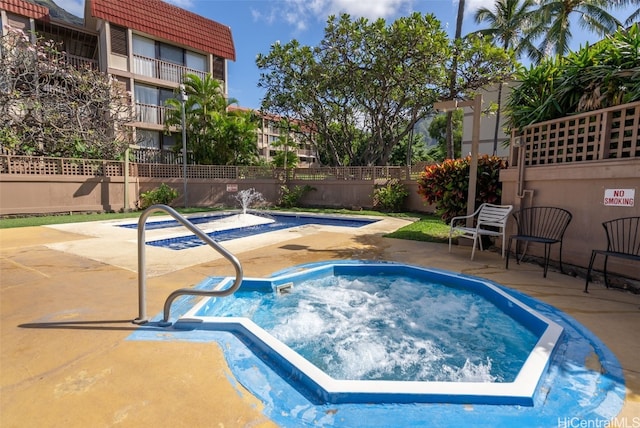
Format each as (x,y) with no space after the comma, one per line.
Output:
(80,63)
(162,70)
(150,113)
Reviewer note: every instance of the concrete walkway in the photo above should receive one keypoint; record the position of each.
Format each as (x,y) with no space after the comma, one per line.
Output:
(68,295)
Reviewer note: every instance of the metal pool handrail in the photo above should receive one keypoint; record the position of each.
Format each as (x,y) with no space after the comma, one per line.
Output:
(142,316)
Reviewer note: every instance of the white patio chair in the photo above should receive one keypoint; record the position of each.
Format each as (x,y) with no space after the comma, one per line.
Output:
(489,220)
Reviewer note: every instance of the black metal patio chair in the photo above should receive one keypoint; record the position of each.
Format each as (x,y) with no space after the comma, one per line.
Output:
(544,225)
(623,241)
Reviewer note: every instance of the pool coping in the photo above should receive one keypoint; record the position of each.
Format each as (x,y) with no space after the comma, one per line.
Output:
(521,391)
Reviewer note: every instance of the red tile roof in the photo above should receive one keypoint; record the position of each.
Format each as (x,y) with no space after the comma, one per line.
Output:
(24,8)
(169,22)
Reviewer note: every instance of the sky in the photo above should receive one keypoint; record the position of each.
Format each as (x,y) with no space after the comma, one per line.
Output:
(257,24)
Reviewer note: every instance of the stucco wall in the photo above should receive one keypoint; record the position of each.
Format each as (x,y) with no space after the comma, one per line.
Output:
(579,188)
(38,194)
(25,194)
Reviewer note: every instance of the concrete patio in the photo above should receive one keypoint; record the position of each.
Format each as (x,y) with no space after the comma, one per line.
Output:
(69,294)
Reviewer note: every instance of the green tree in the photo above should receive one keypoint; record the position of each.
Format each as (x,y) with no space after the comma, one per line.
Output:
(364,77)
(438,130)
(345,146)
(416,148)
(215,135)
(598,76)
(372,80)
(453,77)
(508,22)
(235,134)
(50,108)
(475,62)
(286,145)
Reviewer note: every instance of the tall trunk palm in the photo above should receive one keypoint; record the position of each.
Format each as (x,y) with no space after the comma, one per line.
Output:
(508,23)
(554,22)
(453,84)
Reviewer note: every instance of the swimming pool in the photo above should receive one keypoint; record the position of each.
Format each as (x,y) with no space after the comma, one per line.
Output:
(268,222)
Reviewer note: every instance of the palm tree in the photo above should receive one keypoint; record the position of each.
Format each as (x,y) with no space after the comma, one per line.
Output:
(634,16)
(452,81)
(215,135)
(554,21)
(508,23)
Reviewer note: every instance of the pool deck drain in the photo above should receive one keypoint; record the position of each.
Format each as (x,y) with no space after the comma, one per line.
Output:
(67,304)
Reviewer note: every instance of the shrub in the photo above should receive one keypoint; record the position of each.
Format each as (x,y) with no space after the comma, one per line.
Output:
(596,76)
(160,195)
(290,198)
(446,185)
(390,197)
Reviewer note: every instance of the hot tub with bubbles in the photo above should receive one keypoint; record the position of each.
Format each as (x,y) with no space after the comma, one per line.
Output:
(363,332)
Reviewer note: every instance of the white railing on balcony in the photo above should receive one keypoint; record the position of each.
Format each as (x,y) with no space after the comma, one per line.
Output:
(163,70)
(80,62)
(150,113)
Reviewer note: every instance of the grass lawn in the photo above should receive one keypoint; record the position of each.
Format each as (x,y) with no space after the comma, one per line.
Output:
(427,227)
(45,220)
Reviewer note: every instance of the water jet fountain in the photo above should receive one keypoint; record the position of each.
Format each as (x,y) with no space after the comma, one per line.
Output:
(247,197)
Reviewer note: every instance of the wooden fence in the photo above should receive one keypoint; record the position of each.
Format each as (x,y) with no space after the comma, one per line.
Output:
(611,133)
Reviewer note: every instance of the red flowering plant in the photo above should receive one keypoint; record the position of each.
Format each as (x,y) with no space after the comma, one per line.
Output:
(446,184)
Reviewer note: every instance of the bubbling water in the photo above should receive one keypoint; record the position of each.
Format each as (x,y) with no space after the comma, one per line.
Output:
(391,328)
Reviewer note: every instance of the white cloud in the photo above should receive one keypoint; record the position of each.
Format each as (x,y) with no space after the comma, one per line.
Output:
(371,9)
(298,13)
(470,6)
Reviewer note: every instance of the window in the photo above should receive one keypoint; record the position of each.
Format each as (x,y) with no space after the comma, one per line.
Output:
(164,61)
(146,94)
(148,139)
(196,61)
(164,94)
(168,141)
(218,68)
(119,40)
(154,139)
(170,53)
(143,46)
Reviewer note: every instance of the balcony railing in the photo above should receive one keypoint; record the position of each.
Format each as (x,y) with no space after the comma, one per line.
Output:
(80,63)
(150,113)
(77,62)
(163,70)
(158,156)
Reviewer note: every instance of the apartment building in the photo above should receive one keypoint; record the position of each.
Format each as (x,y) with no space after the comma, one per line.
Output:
(272,129)
(146,45)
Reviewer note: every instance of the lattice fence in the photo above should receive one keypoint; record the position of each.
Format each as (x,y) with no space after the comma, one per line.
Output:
(605,134)
(27,165)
